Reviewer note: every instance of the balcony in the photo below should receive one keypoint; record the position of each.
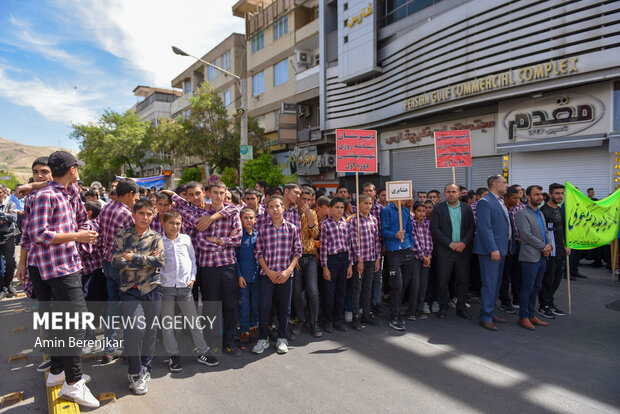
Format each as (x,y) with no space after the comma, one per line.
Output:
(180,103)
(307,31)
(307,79)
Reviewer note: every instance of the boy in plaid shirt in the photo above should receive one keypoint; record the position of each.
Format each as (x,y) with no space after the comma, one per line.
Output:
(336,260)
(366,256)
(278,249)
(422,252)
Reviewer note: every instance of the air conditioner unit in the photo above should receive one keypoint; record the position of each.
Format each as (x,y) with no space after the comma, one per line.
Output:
(289,108)
(320,161)
(304,111)
(330,160)
(303,58)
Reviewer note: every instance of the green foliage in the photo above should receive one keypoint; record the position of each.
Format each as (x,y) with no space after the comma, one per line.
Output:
(12,182)
(261,168)
(229,177)
(114,141)
(191,174)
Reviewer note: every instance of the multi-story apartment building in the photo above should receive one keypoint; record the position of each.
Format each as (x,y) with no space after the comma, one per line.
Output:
(283,81)
(230,55)
(156,104)
(536,82)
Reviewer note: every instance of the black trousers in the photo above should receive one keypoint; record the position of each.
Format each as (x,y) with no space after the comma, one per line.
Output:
(220,284)
(363,284)
(400,273)
(7,250)
(551,279)
(64,294)
(282,292)
(446,265)
(335,288)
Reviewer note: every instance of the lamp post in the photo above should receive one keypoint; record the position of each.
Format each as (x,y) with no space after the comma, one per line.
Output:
(243,111)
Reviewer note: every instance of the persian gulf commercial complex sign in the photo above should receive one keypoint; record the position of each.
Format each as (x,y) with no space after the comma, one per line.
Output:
(500,80)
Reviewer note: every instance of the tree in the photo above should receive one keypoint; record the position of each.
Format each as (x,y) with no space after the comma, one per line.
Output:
(261,168)
(191,174)
(114,141)
(11,182)
(229,177)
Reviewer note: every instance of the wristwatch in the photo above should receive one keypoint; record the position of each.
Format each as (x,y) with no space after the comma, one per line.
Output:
(218,240)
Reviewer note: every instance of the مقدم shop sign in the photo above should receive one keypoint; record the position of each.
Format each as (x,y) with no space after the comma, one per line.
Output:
(553,116)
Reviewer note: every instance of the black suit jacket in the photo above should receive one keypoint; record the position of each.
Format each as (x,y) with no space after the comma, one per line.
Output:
(441,228)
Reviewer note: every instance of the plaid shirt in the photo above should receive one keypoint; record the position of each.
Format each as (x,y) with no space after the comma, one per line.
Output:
(278,246)
(209,254)
(91,258)
(369,246)
(423,241)
(375,211)
(113,217)
(55,209)
(191,215)
(291,214)
(156,225)
(335,238)
(24,243)
(473,209)
(513,220)
(143,269)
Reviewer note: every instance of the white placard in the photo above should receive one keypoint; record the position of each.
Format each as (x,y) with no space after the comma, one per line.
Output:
(399,190)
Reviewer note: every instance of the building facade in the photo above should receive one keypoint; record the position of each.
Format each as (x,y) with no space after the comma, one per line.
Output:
(536,82)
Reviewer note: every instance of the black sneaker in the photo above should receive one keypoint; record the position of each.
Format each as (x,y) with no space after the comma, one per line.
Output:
(546,312)
(316,330)
(464,313)
(421,315)
(370,319)
(232,351)
(3,293)
(209,361)
(395,324)
(556,311)
(341,327)
(329,328)
(412,316)
(174,363)
(356,324)
(507,308)
(443,313)
(45,365)
(297,328)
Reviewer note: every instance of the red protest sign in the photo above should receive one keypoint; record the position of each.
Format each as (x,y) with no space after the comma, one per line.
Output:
(356,150)
(452,149)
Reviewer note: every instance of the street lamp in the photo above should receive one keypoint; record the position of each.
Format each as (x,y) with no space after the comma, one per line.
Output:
(243,111)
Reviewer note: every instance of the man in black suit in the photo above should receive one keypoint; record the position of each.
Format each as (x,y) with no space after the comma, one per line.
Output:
(452,227)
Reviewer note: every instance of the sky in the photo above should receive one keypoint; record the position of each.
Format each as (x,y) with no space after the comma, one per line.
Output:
(65,61)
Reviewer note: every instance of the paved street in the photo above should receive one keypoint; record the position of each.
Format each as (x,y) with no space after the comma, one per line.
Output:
(572,366)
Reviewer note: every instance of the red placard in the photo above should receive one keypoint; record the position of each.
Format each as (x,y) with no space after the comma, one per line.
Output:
(356,150)
(453,149)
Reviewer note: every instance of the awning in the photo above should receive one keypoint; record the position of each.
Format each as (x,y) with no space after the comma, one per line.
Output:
(547,144)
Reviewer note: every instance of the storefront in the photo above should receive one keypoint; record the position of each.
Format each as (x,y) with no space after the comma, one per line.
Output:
(560,136)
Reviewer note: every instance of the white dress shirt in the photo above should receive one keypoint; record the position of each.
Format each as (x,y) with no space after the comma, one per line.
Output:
(179,262)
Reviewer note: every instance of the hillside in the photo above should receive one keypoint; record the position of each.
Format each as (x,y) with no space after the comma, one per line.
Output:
(18,157)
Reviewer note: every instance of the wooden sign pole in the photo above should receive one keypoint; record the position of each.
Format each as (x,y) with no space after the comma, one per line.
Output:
(453,175)
(400,216)
(614,257)
(568,283)
(357,199)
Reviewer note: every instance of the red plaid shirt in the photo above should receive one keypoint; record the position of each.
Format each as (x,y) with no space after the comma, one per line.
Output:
(91,258)
(375,211)
(369,246)
(423,241)
(156,225)
(473,209)
(335,238)
(113,217)
(278,246)
(25,239)
(210,254)
(513,217)
(192,214)
(55,209)
(291,214)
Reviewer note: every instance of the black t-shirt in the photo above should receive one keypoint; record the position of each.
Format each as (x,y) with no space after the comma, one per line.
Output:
(555,223)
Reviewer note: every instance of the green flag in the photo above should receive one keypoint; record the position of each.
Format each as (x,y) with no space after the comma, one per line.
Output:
(590,224)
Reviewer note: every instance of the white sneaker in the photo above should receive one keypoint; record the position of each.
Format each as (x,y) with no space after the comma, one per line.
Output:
(426,310)
(348,317)
(79,394)
(261,345)
(435,307)
(58,379)
(282,346)
(137,384)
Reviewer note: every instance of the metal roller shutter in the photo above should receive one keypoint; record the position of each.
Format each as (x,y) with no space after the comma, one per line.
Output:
(482,167)
(583,167)
(418,165)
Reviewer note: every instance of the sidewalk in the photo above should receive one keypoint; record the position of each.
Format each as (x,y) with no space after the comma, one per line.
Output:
(571,366)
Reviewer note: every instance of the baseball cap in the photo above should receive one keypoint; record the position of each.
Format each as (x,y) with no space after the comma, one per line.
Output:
(61,160)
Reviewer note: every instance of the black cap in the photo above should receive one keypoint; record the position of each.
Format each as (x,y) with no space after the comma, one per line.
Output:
(61,160)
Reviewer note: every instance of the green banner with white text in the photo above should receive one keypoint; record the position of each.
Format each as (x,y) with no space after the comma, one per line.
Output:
(589,223)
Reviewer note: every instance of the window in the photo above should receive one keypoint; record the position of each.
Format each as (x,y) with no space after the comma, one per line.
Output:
(188,113)
(280,27)
(258,83)
(226,98)
(211,71)
(395,10)
(258,41)
(226,60)
(280,73)
(187,87)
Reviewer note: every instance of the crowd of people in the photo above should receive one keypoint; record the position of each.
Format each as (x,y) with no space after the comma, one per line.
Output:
(281,261)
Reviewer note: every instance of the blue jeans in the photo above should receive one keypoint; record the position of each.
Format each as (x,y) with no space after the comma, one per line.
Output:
(248,311)
(140,345)
(491,276)
(531,282)
(112,281)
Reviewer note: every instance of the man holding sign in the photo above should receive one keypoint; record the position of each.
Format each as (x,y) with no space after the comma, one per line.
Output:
(397,232)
